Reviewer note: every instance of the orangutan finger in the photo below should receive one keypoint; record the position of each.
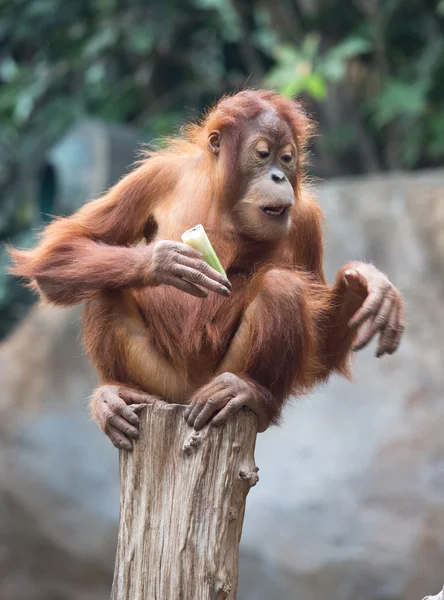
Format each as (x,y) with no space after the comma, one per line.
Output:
(127,413)
(119,440)
(369,308)
(186,250)
(385,342)
(203,267)
(196,409)
(397,340)
(200,279)
(355,281)
(200,397)
(378,323)
(230,409)
(118,407)
(400,320)
(389,342)
(185,286)
(203,412)
(130,396)
(118,422)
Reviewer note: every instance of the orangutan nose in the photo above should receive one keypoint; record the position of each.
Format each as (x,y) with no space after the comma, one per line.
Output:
(277,176)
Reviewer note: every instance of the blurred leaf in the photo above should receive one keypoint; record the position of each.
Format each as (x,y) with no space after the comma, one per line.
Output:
(334,63)
(105,5)
(102,40)
(350,47)
(310,45)
(230,24)
(140,41)
(8,69)
(265,37)
(290,88)
(40,7)
(398,98)
(95,74)
(23,106)
(315,85)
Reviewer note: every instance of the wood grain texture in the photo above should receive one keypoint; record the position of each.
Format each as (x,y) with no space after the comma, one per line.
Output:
(183,497)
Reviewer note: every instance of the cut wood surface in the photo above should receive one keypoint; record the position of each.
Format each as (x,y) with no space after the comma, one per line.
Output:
(183,497)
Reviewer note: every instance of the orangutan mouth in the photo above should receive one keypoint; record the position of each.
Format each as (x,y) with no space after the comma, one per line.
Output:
(275,211)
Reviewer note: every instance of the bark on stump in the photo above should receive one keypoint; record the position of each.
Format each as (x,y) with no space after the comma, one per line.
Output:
(183,497)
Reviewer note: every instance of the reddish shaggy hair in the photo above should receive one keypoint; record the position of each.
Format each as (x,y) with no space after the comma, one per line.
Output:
(298,332)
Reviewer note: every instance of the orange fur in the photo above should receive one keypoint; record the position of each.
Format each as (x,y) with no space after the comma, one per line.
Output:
(283,326)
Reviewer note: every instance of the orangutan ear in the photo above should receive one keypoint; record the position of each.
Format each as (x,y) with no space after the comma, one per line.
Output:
(214,141)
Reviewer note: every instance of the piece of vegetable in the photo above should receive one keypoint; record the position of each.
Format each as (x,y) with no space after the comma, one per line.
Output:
(197,238)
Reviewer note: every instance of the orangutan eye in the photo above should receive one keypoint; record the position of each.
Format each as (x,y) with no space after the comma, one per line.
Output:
(287,158)
(263,153)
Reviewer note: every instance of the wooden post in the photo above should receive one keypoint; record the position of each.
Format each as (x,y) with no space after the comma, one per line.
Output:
(183,497)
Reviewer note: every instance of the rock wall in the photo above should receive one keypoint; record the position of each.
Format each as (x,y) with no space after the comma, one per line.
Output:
(59,490)
(350,502)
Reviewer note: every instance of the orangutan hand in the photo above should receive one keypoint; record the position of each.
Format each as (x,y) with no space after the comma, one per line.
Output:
(179,265)
(382,309)
(115,409)
(224,396)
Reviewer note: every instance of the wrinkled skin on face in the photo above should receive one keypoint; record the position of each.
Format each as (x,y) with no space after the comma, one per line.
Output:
(268,166)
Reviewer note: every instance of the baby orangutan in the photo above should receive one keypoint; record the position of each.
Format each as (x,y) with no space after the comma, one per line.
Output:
(160,324)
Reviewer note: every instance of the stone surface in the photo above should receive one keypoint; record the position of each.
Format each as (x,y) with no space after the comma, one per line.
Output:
(350,502)
(59,489)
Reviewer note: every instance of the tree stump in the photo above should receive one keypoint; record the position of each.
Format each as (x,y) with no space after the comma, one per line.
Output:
(183,497)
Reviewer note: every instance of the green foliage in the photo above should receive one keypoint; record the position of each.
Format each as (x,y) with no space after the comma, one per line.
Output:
(397,98)
(386,60)
(307,70)
(297,70)
(152,64)
(334,63)
(130,62)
